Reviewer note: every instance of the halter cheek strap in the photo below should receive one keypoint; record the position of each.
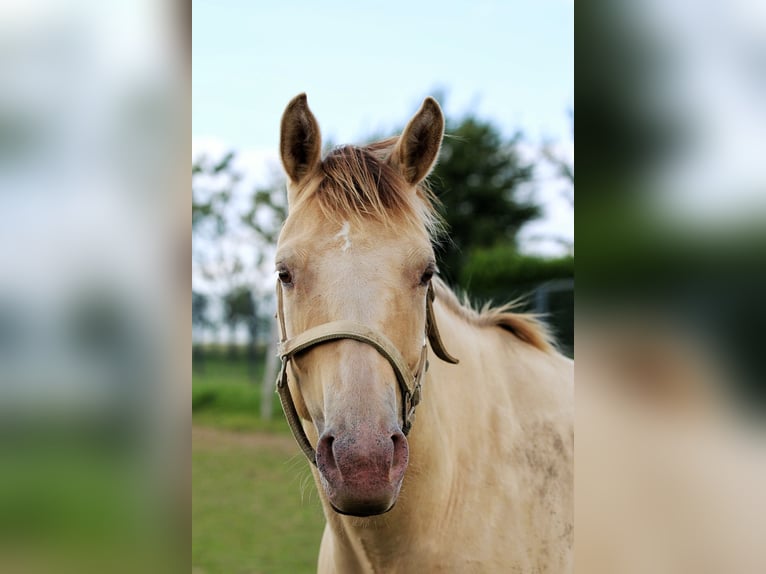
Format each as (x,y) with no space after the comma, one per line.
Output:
(409,383)
(432,330)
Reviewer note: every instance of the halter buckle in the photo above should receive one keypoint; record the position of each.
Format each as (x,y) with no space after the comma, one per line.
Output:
(282,376)
(415,399)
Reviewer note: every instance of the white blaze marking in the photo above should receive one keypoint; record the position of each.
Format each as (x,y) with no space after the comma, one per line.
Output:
(344,234)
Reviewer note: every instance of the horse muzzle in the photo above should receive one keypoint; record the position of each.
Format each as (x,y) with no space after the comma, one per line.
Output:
(362,470)
(409,382)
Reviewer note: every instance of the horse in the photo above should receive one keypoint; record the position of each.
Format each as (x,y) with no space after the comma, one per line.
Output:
(480,478)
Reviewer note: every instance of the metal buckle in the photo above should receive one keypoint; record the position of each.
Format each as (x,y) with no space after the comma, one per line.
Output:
(282,376)
(415,400)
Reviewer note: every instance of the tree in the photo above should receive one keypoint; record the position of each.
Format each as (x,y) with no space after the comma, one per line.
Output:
(200,320)
(199,309)
(232,239)
(210,197)
(484,184)
(267,211)
(240,308)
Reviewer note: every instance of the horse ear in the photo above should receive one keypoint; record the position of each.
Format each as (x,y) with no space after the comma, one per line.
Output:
(418,147)
(300,143)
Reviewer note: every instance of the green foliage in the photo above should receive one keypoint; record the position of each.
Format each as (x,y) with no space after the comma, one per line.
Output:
(501,269)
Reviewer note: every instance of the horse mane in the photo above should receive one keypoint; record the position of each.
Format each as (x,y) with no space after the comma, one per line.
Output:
(359,182)
(525,326)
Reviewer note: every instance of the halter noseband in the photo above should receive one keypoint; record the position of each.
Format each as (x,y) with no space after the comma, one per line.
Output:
(409,383)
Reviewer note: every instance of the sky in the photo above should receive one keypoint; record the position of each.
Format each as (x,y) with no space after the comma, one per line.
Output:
(366,66)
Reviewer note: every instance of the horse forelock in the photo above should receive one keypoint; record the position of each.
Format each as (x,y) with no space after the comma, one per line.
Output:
(359,183)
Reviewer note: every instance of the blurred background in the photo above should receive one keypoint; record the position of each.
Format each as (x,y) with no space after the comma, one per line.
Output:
(670,386)
(94,143)
(503,74)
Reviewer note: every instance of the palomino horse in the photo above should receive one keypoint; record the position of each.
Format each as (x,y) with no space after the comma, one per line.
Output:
(482,480)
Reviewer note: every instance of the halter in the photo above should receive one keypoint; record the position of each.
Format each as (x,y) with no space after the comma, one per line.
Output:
(409,383)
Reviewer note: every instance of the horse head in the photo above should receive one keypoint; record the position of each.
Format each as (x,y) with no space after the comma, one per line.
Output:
(356,250)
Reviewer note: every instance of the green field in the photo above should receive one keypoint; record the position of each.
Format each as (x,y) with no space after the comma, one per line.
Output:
(254,503)
(226,393)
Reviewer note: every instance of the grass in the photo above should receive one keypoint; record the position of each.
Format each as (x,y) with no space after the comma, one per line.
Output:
(254,504)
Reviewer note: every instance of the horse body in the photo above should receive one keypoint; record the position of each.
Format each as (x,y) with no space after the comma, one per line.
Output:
(483,480)
(489,483)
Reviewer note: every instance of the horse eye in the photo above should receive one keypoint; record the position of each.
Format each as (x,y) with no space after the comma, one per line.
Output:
(427,275)
(285,276)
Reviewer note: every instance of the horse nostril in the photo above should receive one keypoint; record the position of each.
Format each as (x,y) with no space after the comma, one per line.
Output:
(325,449)
(401,451)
